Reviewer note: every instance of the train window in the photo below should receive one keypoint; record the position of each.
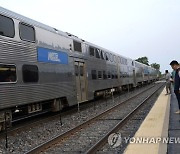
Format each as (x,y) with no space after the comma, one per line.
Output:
(111,57)
(81,71)
(107,56)
(77,46)
(124,74)
(76,70)
(112,74)
(7,73)
(122,60)
(7,27)
(132,63)
(91,51)
(118,59)
(27,32)
(99,74)
(114,58)
(109,75)
(94,76)
(104,75)
(102,55)
(30,73)
(115,76)
(97,53)
(120,74)
(125,61)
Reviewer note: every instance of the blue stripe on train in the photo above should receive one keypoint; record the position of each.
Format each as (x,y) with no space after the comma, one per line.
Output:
(52,56)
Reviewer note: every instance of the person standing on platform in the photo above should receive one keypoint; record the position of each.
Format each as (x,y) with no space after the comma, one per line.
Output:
(175,66)
(173,76)
(168,82)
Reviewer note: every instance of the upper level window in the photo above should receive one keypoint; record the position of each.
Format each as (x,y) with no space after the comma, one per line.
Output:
(91,51)
(111,57)
(102,54)
(30,73)
(77,46)
(114,58)
(27,32)
(7,73)
(97,53)
(123,61)
(6,26)
(107,56)
(132,63)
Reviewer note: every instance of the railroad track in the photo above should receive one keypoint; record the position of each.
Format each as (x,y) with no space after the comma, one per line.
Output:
(22,124)
(26,122)
(98,143)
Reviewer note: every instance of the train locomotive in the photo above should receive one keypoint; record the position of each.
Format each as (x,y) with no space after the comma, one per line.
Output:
(44,69)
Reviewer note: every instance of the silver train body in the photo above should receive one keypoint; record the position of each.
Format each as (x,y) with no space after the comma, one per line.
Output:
(40,64)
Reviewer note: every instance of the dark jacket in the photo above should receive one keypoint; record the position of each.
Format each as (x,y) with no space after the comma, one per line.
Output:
(177,81)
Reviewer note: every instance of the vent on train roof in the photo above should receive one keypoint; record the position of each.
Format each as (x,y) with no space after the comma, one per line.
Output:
(69,34)
(56,30)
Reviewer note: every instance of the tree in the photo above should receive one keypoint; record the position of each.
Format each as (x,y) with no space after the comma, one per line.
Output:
(155,65)
(143,60)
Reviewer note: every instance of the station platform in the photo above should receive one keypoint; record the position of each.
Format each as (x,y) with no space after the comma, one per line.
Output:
(174,126)
(160,131)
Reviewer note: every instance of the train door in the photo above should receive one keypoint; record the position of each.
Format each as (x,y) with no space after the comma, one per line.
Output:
(81,87)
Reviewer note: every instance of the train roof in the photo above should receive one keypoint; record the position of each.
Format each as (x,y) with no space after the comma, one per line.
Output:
(106,50)
(27,20)
(144,65)
(51,29)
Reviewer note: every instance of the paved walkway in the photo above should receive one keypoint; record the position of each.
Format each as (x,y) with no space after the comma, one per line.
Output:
(174,126)
(155,126)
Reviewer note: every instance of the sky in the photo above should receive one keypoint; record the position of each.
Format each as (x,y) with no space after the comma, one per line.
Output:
(132,28)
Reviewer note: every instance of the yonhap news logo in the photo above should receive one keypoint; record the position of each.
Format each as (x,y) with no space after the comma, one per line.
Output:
(114,140)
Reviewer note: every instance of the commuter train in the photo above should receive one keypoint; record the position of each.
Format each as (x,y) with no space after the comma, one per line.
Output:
(42,68)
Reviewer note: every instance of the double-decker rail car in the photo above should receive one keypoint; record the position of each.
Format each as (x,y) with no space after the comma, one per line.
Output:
(36,65)
(43,69)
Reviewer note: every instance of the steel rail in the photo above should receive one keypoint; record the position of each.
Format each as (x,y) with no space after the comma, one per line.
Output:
(53,116)
(60,138)
(98,145)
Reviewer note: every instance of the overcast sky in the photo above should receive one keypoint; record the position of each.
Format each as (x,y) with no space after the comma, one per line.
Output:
(133,28)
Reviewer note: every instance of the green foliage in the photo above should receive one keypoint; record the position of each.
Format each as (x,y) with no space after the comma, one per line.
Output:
(143,60)
(155,65)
